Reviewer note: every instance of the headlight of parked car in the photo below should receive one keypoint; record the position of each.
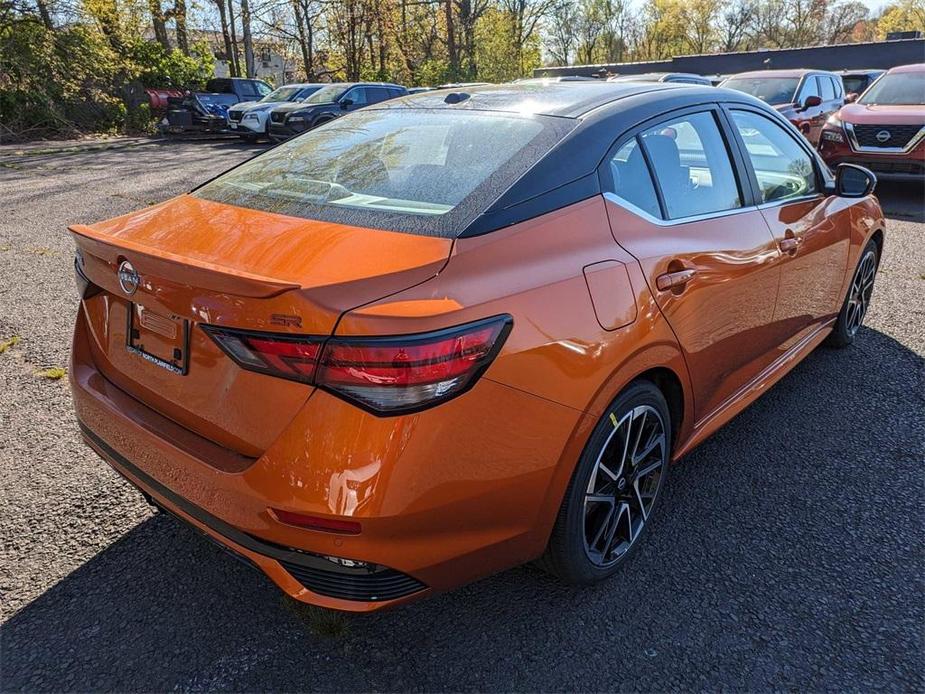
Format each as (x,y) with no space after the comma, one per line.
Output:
(832,132)
(251,116)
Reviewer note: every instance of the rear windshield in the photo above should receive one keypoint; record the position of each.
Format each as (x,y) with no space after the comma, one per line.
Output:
(899,88)
(855,84)
(422,171)
(771,90)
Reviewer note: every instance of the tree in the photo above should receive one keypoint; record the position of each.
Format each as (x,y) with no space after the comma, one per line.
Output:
(907,15)
(562,36)
(735,26)
(230,52)
(249,64)
(700,19)
(159,23)
(841,20)
(524,17)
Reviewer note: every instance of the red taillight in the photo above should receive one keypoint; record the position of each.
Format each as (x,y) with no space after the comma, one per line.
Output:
(331,525)
(276,354)
(389,375)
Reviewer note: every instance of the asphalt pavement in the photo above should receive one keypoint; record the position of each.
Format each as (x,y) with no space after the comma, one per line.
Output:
(788,552)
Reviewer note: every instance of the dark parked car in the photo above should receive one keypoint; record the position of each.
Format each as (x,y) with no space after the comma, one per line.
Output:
(326,104)
(805,97)
(681,77)
(857,81)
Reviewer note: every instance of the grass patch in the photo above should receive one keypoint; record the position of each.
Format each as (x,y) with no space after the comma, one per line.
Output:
(325,623)
(52,373)
(10,342)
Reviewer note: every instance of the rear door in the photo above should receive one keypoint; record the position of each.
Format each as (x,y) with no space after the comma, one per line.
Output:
(810,228)
(678,203)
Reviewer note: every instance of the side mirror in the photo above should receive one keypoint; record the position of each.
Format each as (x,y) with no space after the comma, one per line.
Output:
(346,103)
(851,97)
(853,181)
(812,102)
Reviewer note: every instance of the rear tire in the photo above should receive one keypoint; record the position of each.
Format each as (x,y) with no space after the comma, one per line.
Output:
(857,301)
(614,490)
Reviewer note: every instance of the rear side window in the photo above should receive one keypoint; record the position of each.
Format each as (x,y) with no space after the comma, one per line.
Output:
(630,178)
(420,171)
(376,94)
(691,165)
(358,96)
(828,89)
(837,84)
(783,168)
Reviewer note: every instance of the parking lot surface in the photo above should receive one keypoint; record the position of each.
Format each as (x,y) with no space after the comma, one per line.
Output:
(788,552)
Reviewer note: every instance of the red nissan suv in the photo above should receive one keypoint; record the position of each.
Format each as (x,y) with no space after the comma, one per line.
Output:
(884,129)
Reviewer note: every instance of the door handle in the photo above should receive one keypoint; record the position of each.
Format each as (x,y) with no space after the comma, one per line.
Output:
(790,243)
(674,280)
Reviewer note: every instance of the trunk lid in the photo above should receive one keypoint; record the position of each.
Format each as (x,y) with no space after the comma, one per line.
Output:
(195,261)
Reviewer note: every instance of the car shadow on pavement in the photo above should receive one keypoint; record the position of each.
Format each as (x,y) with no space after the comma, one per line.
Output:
(787,554)
(902,201)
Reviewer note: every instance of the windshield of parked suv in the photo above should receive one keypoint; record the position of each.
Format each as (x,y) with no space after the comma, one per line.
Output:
(281,94)
(326,95)
(416,165)
(771,90)
(898,89)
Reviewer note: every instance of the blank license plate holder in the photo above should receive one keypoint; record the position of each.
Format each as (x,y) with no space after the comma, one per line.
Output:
(162,340)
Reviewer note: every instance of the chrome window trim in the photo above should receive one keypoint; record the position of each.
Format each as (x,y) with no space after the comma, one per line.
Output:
(639,212)
(855,147)
(788,201)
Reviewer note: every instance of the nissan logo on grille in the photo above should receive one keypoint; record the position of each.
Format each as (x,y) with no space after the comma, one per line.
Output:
(883,136)
(128,277)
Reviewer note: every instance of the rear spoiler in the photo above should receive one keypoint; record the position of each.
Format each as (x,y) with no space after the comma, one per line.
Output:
(183,270)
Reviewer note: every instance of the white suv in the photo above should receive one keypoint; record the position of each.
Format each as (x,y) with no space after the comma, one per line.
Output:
(249,118)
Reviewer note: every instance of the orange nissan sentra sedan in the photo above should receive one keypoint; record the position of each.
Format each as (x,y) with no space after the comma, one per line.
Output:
(453,333)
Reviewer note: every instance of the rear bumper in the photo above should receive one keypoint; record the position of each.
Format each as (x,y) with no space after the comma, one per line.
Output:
(324,576)
(434,498)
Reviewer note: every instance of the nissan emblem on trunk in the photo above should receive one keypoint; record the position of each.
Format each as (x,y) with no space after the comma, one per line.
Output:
(128,277)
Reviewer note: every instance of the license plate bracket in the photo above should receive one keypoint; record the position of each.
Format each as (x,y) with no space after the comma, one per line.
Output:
(162,340)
